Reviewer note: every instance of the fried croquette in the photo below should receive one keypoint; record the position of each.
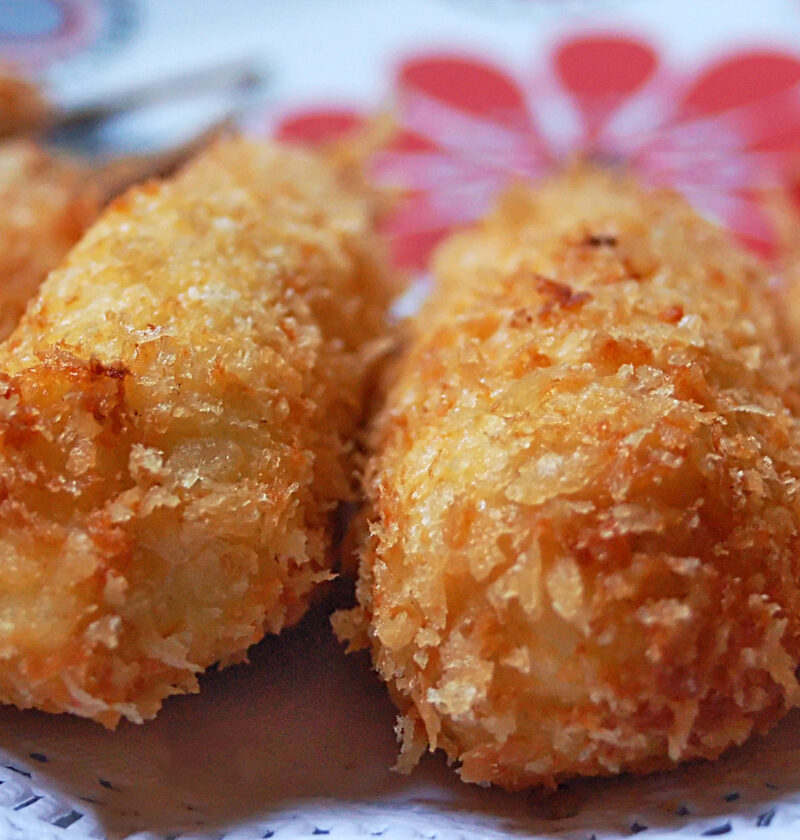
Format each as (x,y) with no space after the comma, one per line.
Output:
(583,553)
(176,427)
(46,204)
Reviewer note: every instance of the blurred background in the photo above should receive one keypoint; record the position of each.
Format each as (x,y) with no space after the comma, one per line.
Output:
(701,95)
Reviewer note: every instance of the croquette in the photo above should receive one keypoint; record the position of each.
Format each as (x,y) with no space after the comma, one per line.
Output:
(582,551)
(46,204)
(177,411)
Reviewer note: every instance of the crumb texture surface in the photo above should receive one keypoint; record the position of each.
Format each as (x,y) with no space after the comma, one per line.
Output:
(583,497)
(176,419)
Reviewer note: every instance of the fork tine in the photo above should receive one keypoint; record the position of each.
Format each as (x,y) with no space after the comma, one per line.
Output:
(241,76)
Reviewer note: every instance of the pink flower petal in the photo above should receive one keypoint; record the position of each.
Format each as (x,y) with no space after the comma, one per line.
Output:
(470,110)
(601,71)
(418,223)
(465,84)
(452,205)
(413,231)
(777,133)
(411,142)
(599,66)
(316,126)
(740,80)
(429,171)
(411,251)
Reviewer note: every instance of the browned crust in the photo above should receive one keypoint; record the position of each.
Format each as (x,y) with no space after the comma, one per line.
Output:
(583,501)
(176,429)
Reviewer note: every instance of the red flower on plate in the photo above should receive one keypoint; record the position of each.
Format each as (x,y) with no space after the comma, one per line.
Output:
(723,134)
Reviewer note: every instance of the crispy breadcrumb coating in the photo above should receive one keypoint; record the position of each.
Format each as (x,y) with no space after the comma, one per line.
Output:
(46,204)
(583,499)
(175,429)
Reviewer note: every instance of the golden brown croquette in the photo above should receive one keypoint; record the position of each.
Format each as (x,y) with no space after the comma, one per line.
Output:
(176,420)
(583,500)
